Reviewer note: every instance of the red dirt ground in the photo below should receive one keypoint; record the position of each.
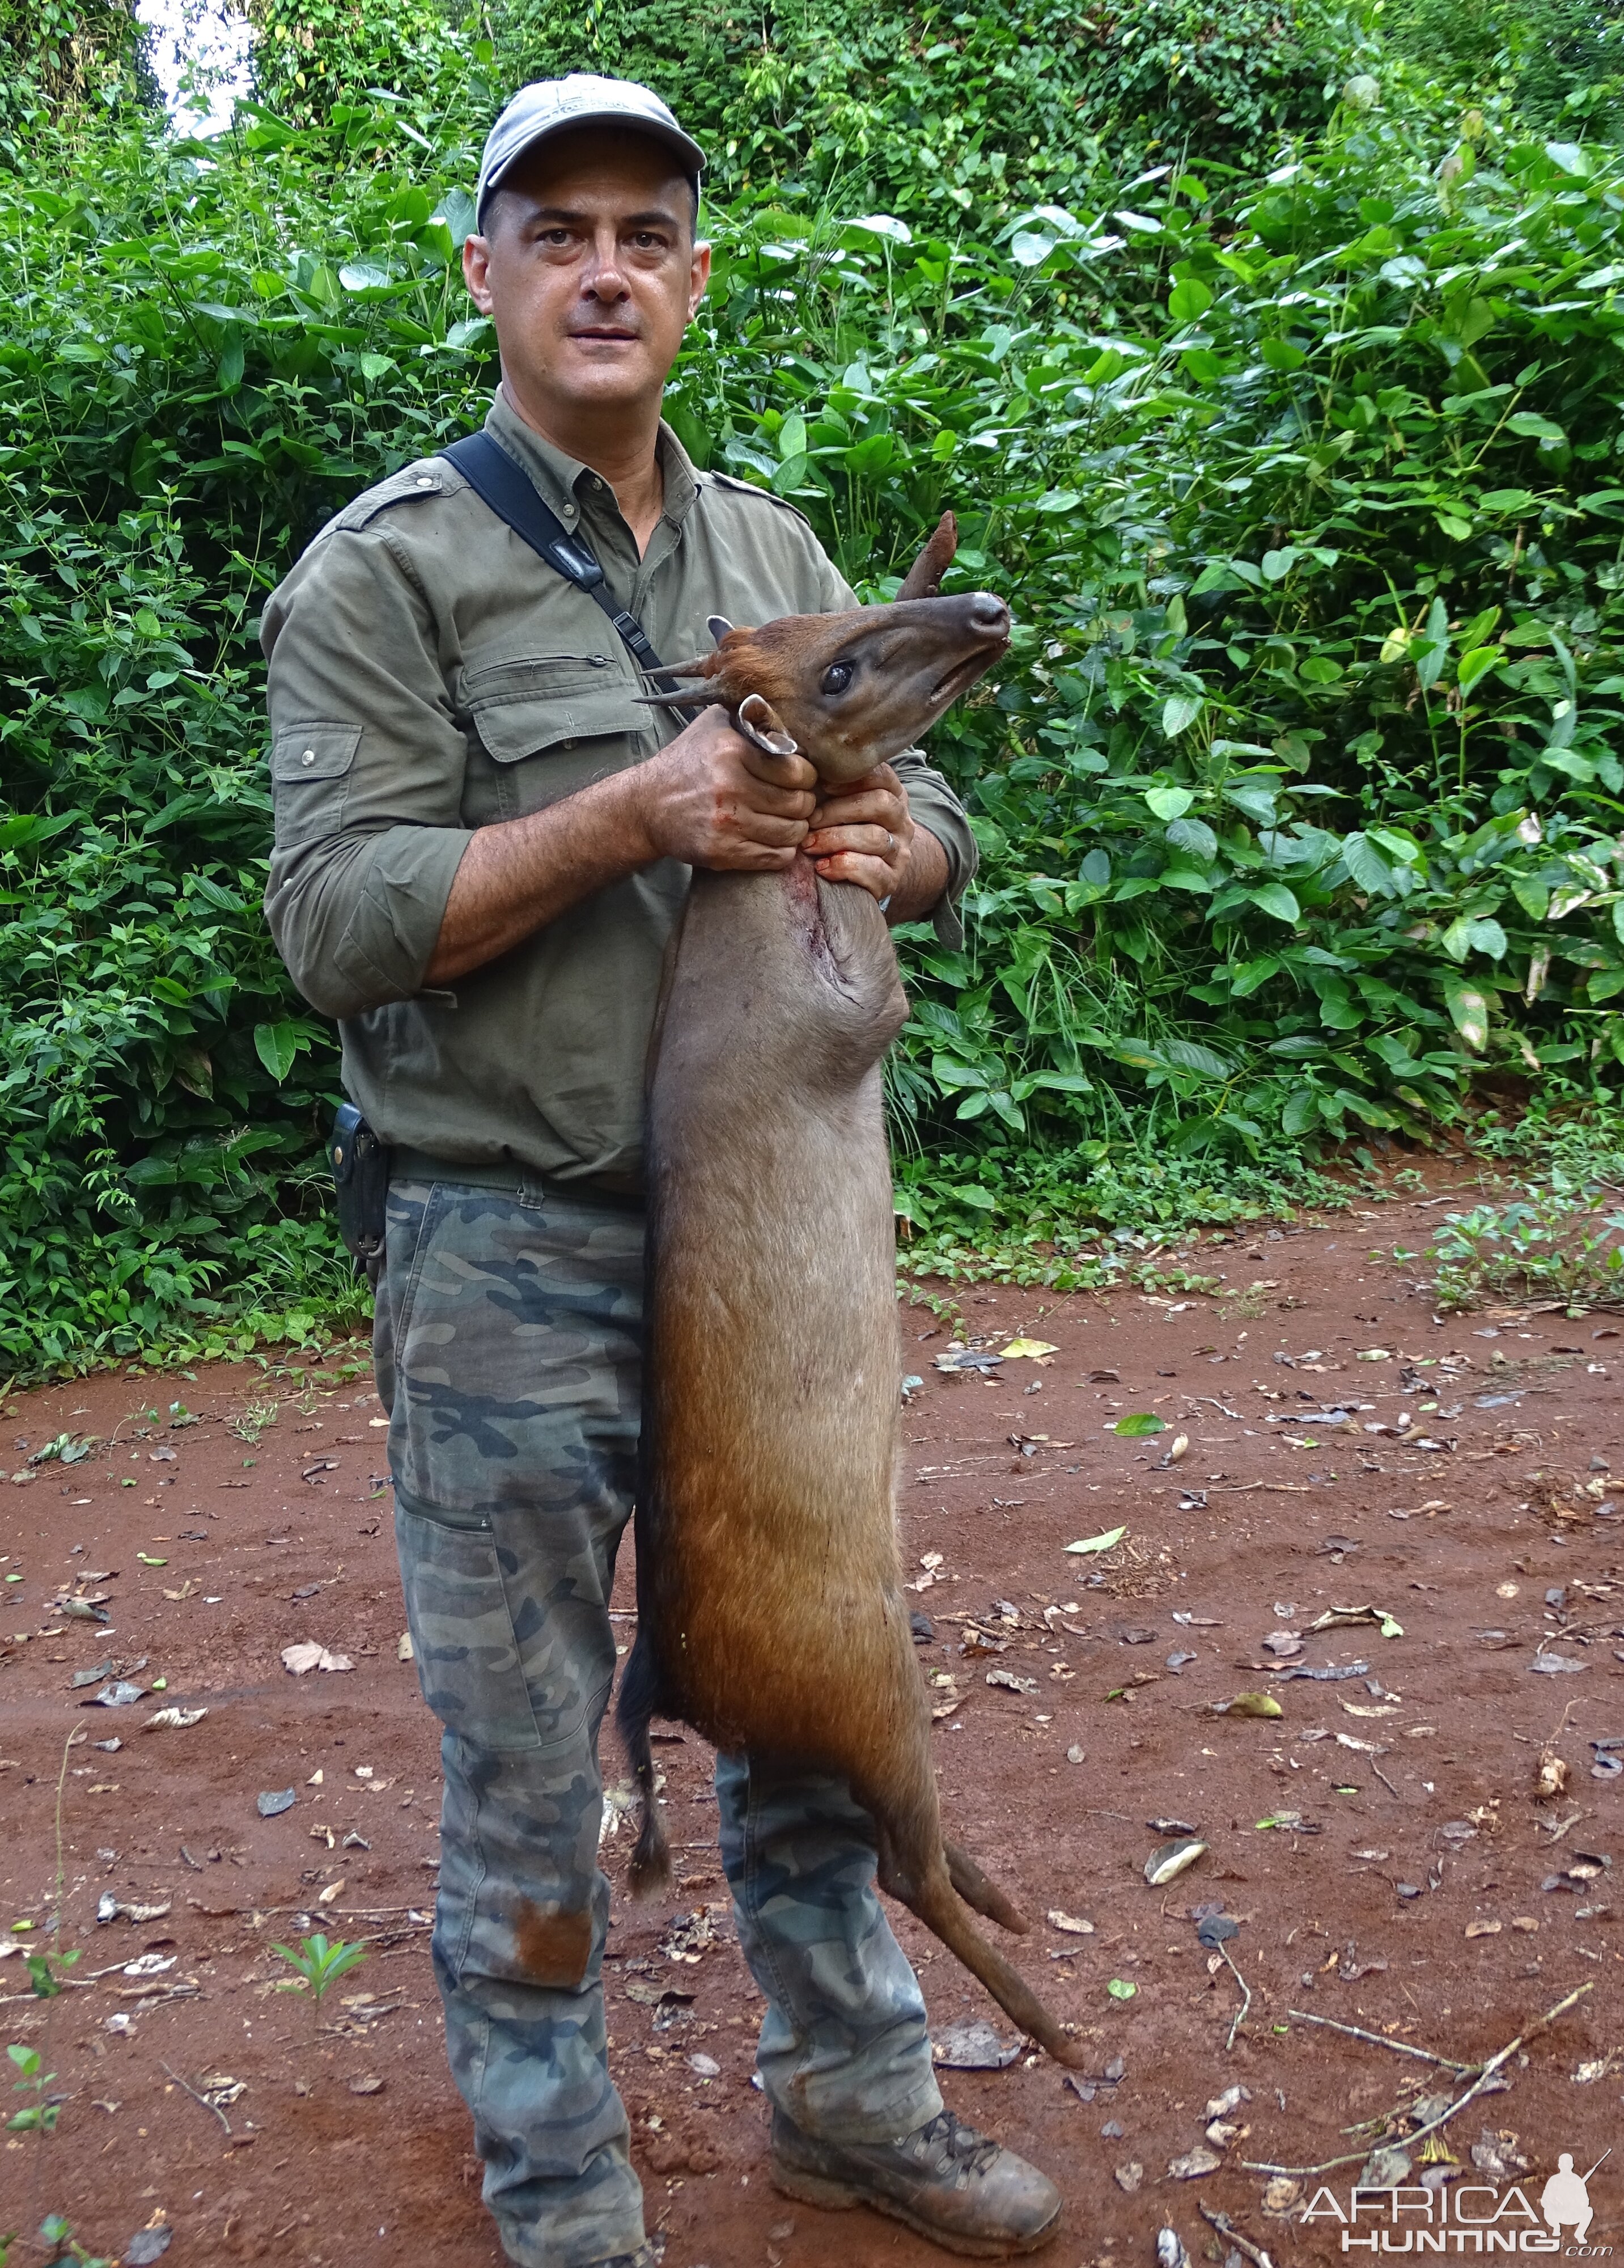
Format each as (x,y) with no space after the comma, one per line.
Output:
(266,1523)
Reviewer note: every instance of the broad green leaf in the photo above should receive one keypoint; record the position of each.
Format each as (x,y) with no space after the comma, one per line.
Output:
(1169,802)
(1189,1055)
(1194,835)
(1180,711)
(1028,248)
(1571,158)
(1107,1540)
(1138,1424)
(1274,898)
(1468,1010)
(1367,868)
(1119,1989)
(1188,300)
(1250,975)
(276,1045)
(1280,353)
(1254,798)
(359,277)
(1430,664)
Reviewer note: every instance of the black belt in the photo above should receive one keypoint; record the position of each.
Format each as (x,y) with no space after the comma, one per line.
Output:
(409,1165)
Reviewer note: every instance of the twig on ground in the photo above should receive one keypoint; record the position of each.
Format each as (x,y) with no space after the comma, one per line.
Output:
(1225,2227)
(1246,2005)
(1382,1776)
(186,2086)
(1272,1488)
(1399,2047)
(1557,1831)
(1212,1401)
(1486,2071)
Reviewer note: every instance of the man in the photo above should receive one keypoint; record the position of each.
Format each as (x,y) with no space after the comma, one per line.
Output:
(482,842)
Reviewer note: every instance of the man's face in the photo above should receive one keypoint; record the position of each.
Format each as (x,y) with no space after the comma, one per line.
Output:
(590,272)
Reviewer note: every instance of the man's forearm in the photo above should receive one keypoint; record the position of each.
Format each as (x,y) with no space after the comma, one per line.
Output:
(923,878)
(518,876)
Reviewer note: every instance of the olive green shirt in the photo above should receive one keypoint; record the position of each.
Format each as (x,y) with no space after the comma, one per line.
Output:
(429,674)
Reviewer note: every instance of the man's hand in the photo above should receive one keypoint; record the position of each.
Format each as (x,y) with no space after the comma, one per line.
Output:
(864,833)
(713,799)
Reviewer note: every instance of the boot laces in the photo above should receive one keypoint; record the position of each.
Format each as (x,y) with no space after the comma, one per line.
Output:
(949,2142)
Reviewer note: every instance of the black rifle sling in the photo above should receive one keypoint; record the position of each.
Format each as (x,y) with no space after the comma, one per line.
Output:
(511,495)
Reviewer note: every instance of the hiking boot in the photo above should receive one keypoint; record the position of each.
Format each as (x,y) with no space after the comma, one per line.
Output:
(962,2189)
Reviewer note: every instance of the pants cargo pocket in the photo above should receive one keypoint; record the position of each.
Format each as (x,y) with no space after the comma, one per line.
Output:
(469,1661)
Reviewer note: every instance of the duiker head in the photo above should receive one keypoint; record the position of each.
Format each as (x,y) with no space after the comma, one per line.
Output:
(848,691)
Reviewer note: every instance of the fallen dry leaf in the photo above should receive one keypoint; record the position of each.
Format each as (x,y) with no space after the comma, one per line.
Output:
(307,1655)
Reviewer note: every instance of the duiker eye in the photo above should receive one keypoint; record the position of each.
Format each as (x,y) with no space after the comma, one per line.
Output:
(836,677)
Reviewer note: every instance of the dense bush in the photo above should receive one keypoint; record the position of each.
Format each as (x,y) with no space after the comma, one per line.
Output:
(1295,461)
(1559,63)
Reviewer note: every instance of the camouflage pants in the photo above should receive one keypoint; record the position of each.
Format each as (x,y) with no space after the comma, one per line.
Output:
(507,1350)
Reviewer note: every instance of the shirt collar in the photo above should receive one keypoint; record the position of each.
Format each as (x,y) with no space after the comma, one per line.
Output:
(566,484)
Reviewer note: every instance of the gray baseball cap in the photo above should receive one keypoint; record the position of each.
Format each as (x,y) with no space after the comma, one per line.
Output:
(555,106)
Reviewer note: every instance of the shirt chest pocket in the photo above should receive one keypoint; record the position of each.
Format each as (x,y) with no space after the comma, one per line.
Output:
(551,724)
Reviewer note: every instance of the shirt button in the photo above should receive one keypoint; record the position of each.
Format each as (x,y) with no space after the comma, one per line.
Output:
(424,482)
(309,756)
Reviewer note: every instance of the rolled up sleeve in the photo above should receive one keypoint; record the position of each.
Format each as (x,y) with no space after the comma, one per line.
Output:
(933,805)
(367,774)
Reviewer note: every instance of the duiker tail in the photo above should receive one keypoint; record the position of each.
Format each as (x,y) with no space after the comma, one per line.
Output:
(941,1909)
(650,1861)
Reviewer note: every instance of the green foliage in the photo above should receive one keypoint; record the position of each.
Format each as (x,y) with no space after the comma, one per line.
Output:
(57,2237)
(42,1968)
(40,2116)
(1559,63)
(1556,1241)
(318,1964)
(63,55)
(1298,799)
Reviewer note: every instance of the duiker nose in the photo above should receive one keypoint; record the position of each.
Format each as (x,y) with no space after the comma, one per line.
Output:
(988,615)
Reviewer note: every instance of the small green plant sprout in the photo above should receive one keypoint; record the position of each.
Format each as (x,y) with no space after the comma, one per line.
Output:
(54,2232)
(46,1984)
(319,1965)
(38,2117)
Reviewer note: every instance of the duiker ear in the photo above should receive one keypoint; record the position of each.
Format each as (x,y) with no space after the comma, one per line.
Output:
(718,625)
(759,721)
(924,579)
